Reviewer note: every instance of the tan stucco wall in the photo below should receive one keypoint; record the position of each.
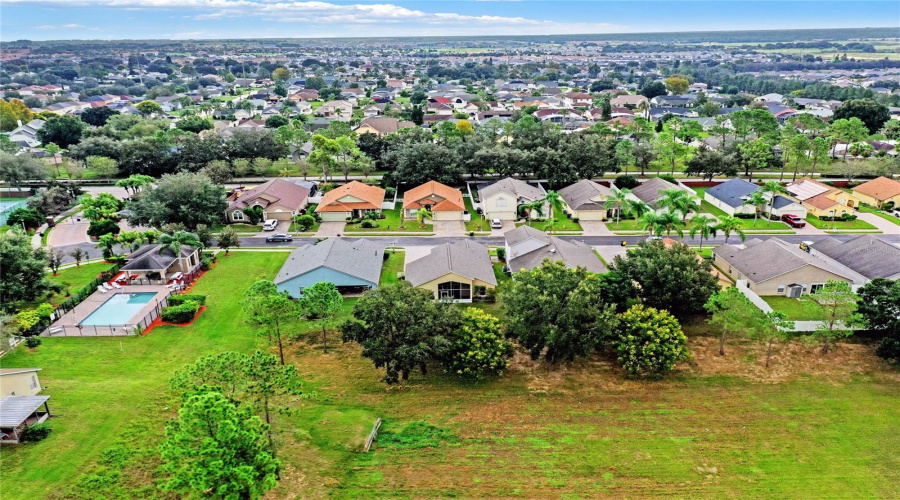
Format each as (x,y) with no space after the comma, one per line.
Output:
(492,211)
(806,275)
(334,216)
(20,384)
(818,212)
(868,200)
(433,285)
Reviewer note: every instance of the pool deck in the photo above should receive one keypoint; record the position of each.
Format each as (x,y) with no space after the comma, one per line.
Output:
(67,325)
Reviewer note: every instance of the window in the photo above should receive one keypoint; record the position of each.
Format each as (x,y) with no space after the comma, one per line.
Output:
(34,383)
(729,269)
(816,287)
(780,289)
(237,215)
(453,290)
(501,202)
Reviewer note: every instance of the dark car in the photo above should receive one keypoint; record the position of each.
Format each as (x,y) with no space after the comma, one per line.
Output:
(793,220)
(275,238)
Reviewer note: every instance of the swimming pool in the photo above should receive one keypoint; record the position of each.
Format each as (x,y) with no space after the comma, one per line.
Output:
(118,309)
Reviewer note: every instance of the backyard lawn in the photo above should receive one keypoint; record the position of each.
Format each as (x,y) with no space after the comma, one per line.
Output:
(578,430)
(240,228)
(839,224)
(801,309)
(391,223)
(392,266)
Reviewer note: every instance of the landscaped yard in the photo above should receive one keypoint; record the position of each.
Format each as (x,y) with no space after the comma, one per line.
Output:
(564,223)
(624,225)
(478,222)
(578,430)
(801,309)
(391,223)
(392,266)
(240,228)
(839,224)
(762,224)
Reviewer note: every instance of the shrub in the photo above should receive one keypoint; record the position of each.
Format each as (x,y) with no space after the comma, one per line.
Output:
(477,347)
(668,178)
(177,300)
(501,254)
(30,218)
(649,341)
(100,227)
(305,222)
(37,432)
(389,192)
(888,206)
(205,264)
(368,224)
(33,342)
(32,321)
(627,182)
(183,313)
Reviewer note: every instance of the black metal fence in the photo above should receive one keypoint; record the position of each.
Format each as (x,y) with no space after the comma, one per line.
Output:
(86,292)
(111,330)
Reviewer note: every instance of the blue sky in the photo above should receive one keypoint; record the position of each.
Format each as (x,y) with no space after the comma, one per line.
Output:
(184,19)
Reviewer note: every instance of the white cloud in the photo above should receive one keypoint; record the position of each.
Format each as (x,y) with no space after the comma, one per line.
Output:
(64,26)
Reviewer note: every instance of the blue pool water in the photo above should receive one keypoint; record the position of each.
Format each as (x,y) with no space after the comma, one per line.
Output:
(119,309)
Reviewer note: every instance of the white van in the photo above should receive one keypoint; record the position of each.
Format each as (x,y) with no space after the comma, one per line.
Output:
(270,225)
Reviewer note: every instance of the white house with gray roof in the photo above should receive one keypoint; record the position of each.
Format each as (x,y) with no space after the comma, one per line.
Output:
(501,199)
(352,265)
(457,272)
(730,196)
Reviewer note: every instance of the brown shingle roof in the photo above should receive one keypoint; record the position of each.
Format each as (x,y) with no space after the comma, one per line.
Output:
(275,191)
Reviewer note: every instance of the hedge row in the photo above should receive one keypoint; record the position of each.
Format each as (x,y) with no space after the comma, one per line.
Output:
(182,313)
(177,300)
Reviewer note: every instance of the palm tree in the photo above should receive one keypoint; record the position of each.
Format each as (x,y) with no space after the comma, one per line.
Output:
(537,206)
(650,222)
(705,226)
(618,199)
(636,208)
(669,222)
(423,214)
(554,200)
(773,188)
(678,200)
(174,241)
(756,199)
(728,224)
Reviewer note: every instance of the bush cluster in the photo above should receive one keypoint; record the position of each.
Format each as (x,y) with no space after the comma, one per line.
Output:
(177,300)
(37,432)
(182,313)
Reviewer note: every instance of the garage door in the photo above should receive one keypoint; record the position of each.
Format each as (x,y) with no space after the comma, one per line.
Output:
(501,215)
(278,215)
(334,216)
(448,215)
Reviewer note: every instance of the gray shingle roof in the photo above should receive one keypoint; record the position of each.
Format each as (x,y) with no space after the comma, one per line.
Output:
(648,192)
(782,201)
(865,254)
(578,196)
(733,192)
(465,258)
(763,260)
(358,258)
(16,409)
(520,189)
(148,258)
(528,248)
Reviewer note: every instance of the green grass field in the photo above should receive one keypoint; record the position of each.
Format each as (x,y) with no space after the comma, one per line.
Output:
(577,430)
(563,223)
(391,223)
(850,224)
(392,266)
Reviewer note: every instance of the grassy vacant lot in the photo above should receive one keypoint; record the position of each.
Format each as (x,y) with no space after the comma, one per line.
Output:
(718,428)
(839,224)
(801,309)
(391,223)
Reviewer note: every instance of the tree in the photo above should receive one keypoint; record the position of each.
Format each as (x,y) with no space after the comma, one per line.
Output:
(15,169)
(215,447)
(55,258)
(729,224)
(554,310)
(756,200)
(281,74)
(731,311)
(321,302)
(25,218)
(255,143)
(62,130)
(228,239)
(401,328)
(54,200)
(891,130)
(709,163)
(102,167)
(12,112)
(218,171)
(849,131)
(270,308)
(773,188)
(755,155)
(819,153)
(625,153)
(677,200)
(185,198)
(194,124)
(149,108)
(178,239)
(477,347)
(879,310)
(838,301)
(107,243)
(677,84)
(617,199)
(276,121)
(703,225)
(653,89)
(323,154)
(98,228)
(670,278)
(649,341)
(796,153)
(104,206)
(98,116)
(22,269)
(667,149)
(768,328)
(871,113)
(133,183)
(78,254)
(147,156)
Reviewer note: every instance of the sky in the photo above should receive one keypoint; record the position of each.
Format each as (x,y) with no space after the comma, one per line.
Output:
(210,19)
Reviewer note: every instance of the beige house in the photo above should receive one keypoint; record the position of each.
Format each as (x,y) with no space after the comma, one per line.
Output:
(879,192)
(340,110)
(822,200)
(19,382)
(456,272)
(501,199)
(776,267)
(444,202)
(381,125)
(279,199)
(586,200)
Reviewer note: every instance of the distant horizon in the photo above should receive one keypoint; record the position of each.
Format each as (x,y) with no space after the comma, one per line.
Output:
(109,20)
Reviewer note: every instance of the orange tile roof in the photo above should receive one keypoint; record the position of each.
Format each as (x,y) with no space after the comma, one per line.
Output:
(452,198)
(372,196)
(880,188)
(822,201)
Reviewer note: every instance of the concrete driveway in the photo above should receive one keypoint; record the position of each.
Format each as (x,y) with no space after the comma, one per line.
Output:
(327,229)
(508,225)
(595,228)
(69,232)
(883,225)
(449,228)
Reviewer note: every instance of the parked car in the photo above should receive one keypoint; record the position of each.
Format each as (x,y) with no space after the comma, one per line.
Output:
(496,224)
(270,225)
(793,220)
(275,238)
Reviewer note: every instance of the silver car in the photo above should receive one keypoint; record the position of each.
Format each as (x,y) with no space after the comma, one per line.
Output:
(496,224)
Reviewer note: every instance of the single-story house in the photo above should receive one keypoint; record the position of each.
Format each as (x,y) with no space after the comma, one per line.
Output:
(19,381)
(19,412)
(731,195)
(148,261)
(527,247)
(586,200)
(776,267)
(501,199)
(879,192)
(351,200)
(278,198)
(454,271)
(651,192)
(26,135)
(822,200)
(352,265)
(865,254)
(381,125)
(444,202)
